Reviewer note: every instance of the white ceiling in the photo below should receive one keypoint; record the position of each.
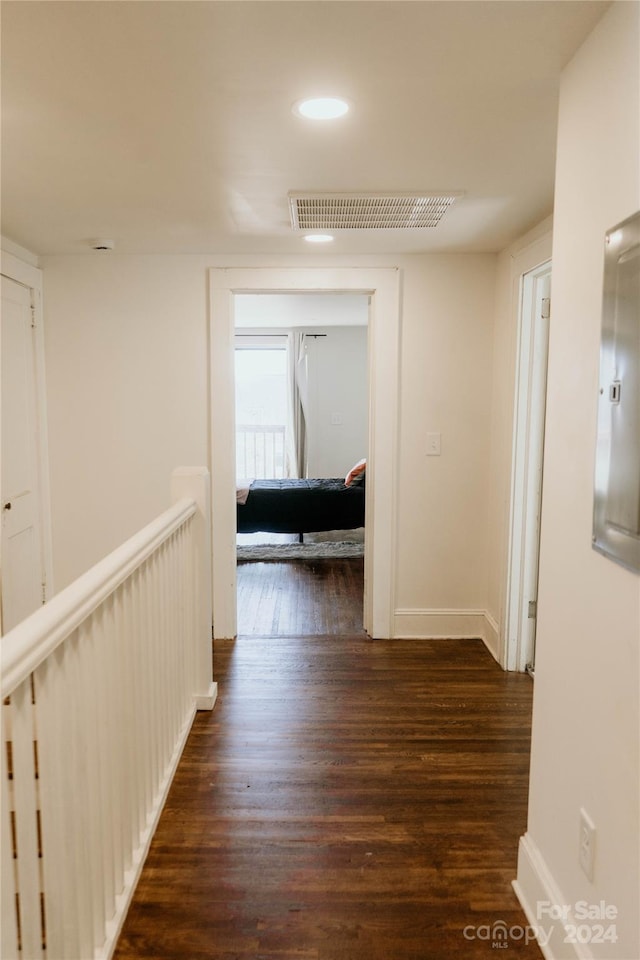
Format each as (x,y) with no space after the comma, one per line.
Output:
(167,126)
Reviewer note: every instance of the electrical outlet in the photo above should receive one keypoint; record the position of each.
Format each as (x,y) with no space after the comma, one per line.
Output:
(587,844)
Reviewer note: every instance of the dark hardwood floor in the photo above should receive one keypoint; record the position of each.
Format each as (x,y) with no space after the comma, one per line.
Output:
(300,598)
(347,799)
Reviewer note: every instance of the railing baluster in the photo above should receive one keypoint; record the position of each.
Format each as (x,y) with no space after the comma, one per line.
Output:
(186,619)
(164,654)
(49,693)
(181,639)
(260,451)
(176,646)
(126,679)
(169,643)
(114,740)
(9,929)
(103,828)
(153,611)
(139,690)
(191,660)
(173,646)
(26,830)
(81,822)
(60,775)
(103,707)
(146,655)
(89,680)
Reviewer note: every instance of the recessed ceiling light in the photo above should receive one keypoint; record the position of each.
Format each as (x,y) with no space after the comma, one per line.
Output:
(318,237)
(321,108)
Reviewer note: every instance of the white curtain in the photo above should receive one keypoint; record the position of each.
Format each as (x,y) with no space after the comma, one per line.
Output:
(298,405)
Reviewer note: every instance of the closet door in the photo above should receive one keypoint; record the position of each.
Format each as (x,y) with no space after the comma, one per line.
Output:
(22,557)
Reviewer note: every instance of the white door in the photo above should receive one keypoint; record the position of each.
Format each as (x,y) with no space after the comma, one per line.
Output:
(528,468)
(540,348)
(22,558)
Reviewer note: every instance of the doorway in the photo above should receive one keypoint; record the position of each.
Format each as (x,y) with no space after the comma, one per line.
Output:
(301,405)
(381,286)
(527,471)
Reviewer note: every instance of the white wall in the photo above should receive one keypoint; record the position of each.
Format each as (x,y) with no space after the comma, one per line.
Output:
(127,368)
(338,388)
(127,383)
(445,388)
(585,719)
(300,309)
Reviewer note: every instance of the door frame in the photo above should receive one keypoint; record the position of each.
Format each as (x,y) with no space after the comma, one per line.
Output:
(30,276)
(382,286)
(527,468)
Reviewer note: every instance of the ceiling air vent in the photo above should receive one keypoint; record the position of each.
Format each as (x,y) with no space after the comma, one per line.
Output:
(367,211)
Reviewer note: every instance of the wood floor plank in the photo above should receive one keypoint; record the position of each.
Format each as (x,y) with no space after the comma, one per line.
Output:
(300,598)
(347,799)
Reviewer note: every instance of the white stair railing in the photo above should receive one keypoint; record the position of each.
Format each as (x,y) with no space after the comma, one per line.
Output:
(99,690)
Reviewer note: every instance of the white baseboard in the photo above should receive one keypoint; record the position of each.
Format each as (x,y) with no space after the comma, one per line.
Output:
(206,701)
(414,624)
(491,635)
(534,887)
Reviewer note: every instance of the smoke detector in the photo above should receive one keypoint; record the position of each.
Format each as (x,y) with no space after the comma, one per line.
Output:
(102,244)
(369,211)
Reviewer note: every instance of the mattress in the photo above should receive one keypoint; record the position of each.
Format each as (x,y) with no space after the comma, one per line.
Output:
(301,506)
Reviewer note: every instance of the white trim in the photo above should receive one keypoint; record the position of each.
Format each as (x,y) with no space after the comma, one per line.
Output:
(44,484)
(447,624)
(207,701)
(491,635)
(434,624)
(31,276)
(16,251)
(382,285)
(535,884)
(534,246)
(526,466)
(525,254)
(24,273)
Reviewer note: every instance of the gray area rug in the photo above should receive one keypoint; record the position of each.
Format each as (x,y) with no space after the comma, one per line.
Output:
(344,549)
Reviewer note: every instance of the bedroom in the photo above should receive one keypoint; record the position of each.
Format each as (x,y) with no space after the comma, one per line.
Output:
(322,340)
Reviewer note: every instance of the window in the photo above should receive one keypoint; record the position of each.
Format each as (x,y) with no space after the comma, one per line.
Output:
(261,367)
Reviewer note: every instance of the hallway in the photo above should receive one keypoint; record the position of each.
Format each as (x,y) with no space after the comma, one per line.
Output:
(347,799)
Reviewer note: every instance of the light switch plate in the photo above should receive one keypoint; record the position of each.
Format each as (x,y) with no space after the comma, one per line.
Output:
(433,444)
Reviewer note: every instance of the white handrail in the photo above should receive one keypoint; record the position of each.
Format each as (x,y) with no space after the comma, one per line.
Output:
(25,647)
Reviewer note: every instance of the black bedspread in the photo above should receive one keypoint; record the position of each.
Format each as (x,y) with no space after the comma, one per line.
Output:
(301,506)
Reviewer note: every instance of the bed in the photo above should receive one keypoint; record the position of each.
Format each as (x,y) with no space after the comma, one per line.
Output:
(301,506)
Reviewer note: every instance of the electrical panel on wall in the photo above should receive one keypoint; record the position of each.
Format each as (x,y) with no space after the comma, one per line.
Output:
(616,524)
